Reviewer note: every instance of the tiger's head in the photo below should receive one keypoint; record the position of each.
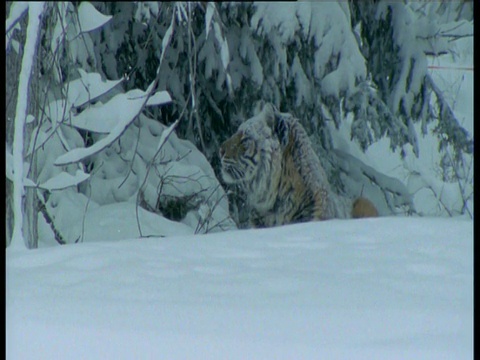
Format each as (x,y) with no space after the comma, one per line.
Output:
(253,152)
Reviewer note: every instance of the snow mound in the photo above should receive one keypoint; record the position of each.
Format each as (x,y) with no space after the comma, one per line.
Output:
(346,289)
(181,186)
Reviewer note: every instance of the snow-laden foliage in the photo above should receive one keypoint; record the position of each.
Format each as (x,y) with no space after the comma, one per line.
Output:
(398,66)
(181,187)
(81,118)
(271,49)
(17,10)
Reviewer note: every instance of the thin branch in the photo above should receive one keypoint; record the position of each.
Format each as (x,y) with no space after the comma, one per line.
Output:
(84,217)
(455,36)
(133,158)
(43,209)
(206,221)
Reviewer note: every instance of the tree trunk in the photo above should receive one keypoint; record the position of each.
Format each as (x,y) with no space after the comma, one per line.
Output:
(34,13)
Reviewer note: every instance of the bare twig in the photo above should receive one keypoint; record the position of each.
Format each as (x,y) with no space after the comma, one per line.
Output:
(133,157)
(204,223)
(88,201)
(43,209)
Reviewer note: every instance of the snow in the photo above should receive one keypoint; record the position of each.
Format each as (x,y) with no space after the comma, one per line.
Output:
(303,90)
(270,17)
(59,30)
(414,65)
(119,115)
(102,118)
(364,289)
(339,289)
(118,222)
(17,10)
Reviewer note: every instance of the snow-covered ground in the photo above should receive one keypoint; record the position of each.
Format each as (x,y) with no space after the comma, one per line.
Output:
(384,288)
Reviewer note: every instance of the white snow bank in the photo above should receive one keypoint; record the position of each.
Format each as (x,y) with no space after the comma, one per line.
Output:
(118,221)
(340,289)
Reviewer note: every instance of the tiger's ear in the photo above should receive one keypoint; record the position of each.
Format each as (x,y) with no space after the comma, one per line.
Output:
(281,129)
(268,113)
(276,122)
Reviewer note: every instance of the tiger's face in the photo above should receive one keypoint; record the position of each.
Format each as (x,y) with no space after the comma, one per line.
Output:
(239,158)
(248,153)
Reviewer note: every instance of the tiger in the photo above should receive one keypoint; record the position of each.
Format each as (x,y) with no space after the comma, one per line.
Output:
(363,208)
(271,160)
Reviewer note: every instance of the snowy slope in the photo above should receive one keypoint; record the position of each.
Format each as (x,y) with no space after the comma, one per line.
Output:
(385,288)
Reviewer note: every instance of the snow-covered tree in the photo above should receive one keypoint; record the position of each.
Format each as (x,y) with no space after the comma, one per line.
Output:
(392,43)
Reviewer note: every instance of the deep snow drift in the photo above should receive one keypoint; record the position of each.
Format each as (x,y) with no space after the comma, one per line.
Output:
(385,288)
